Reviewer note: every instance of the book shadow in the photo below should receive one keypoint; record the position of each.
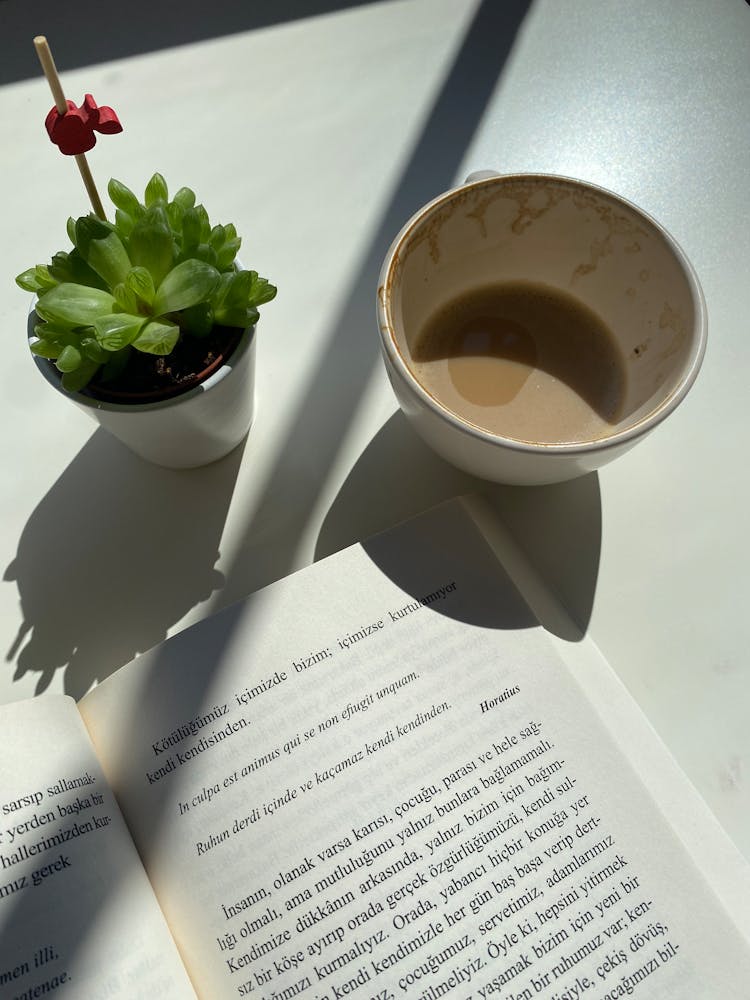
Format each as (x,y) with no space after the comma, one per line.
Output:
(556,528)
(114,554)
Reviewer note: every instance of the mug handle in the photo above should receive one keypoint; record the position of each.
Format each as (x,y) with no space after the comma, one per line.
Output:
(481,175)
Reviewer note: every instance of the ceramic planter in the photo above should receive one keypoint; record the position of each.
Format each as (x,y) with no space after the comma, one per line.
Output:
(194,428)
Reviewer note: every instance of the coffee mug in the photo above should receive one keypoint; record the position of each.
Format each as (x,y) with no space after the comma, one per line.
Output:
(535,327)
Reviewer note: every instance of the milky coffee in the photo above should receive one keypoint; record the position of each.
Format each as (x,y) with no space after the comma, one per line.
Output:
(523,360)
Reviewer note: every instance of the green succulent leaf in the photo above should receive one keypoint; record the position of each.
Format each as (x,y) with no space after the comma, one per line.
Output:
(185,198)
(125,298)
(156,191)
(217,238)
(53,332)
(69,358)
(48,331)
(140,282)
(238,294)
(124,223)
(46,348)
(198,319)
(261,291)
(232,292)
(237,297)
(72,267)
(222,287)
(188,283)
(28,280)
(124,199)
(225,257)
(74,305)
(102,249)
(205,223)
(118,330)
(93,350)
(206,253)
(158,213)
(44,278)
(157,337)
(191,230)
(76,380)
(59,267)
(175,215)
(151,245)
(239,316)
(70,226)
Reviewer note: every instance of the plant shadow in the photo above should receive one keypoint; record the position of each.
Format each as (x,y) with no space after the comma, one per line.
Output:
(114,554)
(556,527)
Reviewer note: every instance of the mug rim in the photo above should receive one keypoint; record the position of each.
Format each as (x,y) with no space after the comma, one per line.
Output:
(635,430)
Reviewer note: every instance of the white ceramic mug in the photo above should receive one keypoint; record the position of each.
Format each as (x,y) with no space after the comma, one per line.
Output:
(576,238)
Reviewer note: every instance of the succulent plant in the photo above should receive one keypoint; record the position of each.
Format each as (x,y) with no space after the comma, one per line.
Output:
(159,272)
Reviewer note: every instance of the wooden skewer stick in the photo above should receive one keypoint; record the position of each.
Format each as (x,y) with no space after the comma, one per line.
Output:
(50,71)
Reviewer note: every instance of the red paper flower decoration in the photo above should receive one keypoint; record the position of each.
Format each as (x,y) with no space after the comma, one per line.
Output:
(74,131)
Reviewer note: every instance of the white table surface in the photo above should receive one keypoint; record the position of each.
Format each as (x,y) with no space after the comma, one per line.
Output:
(318,132)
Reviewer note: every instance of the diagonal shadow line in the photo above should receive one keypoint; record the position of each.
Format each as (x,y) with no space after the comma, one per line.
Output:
(347,359)
(335,389)
(350,353)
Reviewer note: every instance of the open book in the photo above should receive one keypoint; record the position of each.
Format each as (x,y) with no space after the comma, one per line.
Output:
(378,778)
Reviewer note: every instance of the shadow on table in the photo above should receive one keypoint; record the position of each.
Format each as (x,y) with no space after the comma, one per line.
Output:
(318,428)
(81,35)
(63,566)
(103,502)
(556,527)
(113,555)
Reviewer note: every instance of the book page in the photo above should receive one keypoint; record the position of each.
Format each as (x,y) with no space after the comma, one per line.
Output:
(379,778)
(709,845)
(78,917)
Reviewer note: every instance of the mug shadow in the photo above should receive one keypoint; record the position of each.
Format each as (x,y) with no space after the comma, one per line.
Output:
(557,528)
(115,553)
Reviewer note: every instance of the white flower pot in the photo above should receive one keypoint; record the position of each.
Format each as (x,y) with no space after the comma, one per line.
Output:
(188,430)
